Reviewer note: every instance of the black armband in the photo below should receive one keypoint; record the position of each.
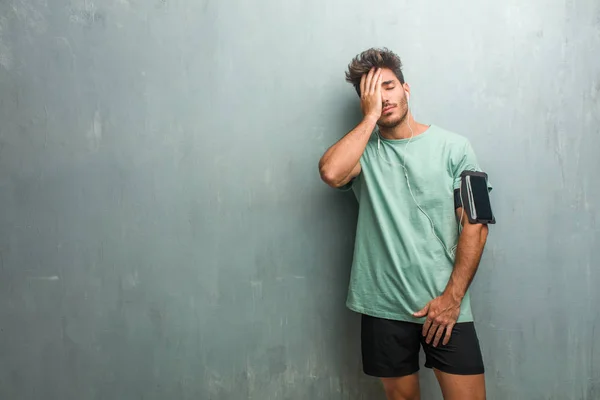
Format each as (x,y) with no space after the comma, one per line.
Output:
(457,202)
(473,197)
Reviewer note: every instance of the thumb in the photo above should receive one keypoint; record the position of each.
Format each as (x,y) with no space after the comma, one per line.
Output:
(423,312)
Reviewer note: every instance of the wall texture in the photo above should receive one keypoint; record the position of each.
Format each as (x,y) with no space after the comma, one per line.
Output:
(164,233)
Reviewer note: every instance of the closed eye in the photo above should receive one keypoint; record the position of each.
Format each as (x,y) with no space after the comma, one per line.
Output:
(389,85)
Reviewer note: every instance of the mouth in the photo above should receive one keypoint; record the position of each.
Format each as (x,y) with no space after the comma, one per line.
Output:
(388,109)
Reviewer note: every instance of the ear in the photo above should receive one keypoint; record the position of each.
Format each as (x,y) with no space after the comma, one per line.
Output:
(406,87)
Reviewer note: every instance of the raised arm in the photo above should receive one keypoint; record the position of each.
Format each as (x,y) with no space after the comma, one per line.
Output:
(341,162)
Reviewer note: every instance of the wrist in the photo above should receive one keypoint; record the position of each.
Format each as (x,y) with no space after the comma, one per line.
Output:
(454,294)
(371,119)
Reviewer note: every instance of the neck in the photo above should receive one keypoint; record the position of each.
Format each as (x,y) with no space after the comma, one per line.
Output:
(405,129)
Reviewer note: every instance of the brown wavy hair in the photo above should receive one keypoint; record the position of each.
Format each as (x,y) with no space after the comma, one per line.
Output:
(374,57)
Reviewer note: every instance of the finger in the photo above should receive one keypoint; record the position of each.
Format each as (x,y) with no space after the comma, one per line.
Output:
(432,332)
(423,312)
(375,80)
(363,80)
(378,87)
(427,326)
(448,334)
(438,336)
(380,78)
(369,79)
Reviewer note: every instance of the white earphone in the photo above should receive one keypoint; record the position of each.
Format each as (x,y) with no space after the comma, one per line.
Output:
(450,252)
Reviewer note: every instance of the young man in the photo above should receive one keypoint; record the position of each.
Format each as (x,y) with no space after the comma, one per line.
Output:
(412,263)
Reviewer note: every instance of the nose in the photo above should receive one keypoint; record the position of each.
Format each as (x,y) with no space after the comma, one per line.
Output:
(384,97)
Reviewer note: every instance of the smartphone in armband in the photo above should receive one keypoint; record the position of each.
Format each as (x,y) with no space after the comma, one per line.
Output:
(475,197)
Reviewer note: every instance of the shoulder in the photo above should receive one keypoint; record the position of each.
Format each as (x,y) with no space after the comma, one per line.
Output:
(449,137)
(455,145)
(457,150)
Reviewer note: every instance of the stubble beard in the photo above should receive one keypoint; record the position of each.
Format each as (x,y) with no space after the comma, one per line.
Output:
(389,124)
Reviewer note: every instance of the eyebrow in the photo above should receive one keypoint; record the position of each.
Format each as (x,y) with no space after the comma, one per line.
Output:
(387,82)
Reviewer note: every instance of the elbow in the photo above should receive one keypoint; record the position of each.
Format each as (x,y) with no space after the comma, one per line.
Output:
(330,177)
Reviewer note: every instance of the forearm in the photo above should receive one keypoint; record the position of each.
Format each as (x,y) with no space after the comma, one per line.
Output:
(468,254)
(340,160)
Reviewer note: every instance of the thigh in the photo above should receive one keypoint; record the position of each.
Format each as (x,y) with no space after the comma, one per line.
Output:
(458,365)
(461,387)
(390,349)
(462,354)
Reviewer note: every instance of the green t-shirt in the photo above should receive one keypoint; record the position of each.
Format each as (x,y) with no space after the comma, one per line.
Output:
(399,265)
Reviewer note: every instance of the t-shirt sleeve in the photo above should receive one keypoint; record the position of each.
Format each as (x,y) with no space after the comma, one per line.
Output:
(348,186)
(353,185)
(466,160)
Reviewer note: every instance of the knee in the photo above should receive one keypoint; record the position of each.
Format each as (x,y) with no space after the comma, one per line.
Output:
(393,394)
(395,391)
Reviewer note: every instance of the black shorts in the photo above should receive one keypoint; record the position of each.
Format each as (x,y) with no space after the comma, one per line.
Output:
(391,349)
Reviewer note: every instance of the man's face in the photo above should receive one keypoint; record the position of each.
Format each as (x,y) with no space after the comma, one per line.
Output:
(394,101)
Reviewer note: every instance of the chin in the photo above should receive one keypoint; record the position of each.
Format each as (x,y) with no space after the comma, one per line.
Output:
(389,122)
(392,120)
